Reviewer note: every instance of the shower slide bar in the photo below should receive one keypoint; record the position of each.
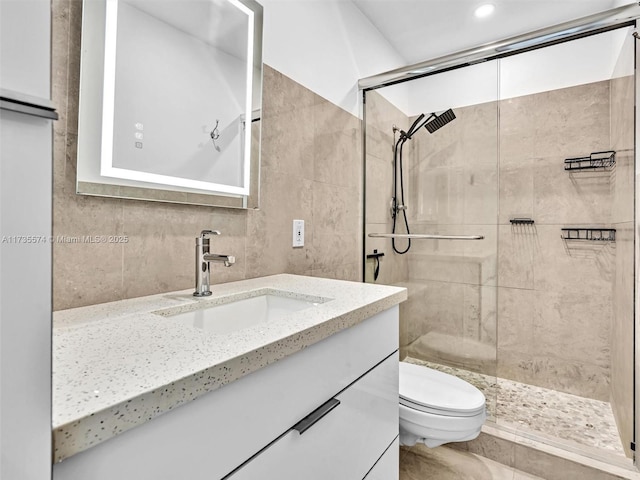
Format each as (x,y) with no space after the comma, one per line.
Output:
(418,236)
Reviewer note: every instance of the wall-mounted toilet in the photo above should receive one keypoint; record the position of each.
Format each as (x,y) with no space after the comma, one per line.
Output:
(437,408)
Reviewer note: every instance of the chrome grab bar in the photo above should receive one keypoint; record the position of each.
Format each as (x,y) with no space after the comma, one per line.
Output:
(426,237)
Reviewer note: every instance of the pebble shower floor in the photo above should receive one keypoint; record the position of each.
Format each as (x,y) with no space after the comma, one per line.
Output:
(578,420)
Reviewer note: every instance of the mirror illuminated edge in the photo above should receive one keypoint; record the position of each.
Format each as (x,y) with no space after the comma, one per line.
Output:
(92,72)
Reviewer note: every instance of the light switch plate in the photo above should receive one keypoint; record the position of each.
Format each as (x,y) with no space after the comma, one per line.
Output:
(298,233)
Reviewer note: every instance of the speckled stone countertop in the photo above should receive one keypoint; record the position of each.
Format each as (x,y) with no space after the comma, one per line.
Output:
(117,365)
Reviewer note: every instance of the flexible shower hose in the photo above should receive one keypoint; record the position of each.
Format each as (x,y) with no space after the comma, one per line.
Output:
(397,161)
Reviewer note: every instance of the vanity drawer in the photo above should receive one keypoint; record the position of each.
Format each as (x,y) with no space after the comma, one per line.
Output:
(342,444)
(388,466)
(209,437)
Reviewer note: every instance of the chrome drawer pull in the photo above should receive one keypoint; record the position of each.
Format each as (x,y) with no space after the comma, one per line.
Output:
(27,104)
(310,420)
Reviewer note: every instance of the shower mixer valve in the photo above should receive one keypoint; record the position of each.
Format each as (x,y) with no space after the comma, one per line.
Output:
(395,208)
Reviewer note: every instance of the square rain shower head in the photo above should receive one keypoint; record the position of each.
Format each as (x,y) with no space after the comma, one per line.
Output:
(440,121)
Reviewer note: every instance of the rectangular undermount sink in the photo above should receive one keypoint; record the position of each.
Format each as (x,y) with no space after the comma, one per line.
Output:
(231,314)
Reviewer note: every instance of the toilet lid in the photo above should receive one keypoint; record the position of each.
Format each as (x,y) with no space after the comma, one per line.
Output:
(429,390)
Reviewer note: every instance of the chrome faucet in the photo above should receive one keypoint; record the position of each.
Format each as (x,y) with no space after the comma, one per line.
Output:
(203,257)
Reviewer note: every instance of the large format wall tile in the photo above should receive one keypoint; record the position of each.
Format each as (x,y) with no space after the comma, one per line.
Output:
(451,189)
(481,193)
(393,268)
(554,319)
(562,197)
(578,378)
(86,272)
(164,259)
(515,320)
(622,187)
(558,341)
(552,292)
(438,308)
(572,121)
(379,190)
(516,188)
(480,313)
(573,325)
(380,117)
(622,112)
(572,265)
(622,342)
(335,208)
(437,195)
(446,268)
(332,250)
(479,125)
(89,272)
(517,129)
(285,96)
(412,311)
(437,247)
(438,179)
(383,115)
(555,300)
(288,143)
(334,155)
(622,217)
(516,253)
(379,143)
(555,297)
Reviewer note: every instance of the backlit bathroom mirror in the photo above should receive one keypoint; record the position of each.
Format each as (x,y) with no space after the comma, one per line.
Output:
(170,101)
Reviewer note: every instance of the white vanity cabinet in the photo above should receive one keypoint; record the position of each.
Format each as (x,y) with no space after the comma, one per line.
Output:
(244,430)
(388,465)
(344,443)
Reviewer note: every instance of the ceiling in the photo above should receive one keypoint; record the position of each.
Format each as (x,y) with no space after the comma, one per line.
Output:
(421,30)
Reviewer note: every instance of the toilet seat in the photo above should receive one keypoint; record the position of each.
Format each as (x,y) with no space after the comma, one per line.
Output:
(437,408)
(438,393)
(441,422)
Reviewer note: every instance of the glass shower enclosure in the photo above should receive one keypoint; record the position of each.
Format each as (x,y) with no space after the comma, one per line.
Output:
(520,217)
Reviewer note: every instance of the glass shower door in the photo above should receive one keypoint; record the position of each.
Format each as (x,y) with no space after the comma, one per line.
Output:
(446,185)
(566,281)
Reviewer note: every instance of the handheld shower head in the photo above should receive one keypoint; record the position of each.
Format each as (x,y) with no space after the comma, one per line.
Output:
(414,127)
(439,121)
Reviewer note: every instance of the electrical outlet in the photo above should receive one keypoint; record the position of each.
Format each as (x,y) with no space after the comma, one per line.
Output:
(298,233)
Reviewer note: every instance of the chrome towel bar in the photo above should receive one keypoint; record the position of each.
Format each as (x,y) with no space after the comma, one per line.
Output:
(426,237)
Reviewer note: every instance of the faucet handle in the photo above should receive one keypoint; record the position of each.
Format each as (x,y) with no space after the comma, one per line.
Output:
(204,233)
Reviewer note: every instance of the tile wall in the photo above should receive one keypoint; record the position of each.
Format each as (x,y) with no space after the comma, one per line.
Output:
(622,215)
(453,190)
(381,116)
(450,188)
(554,298)
(311,164)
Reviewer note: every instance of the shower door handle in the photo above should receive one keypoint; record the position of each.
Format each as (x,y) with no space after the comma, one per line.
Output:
(418,236)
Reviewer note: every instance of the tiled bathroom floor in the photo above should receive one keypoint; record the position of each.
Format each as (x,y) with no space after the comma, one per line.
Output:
(567,417)
(444,463)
